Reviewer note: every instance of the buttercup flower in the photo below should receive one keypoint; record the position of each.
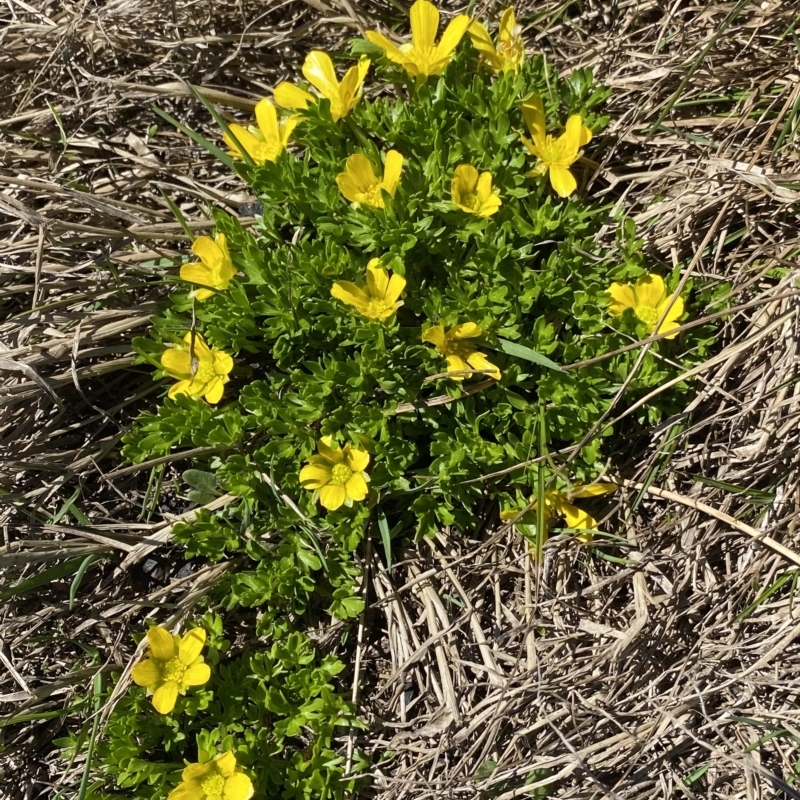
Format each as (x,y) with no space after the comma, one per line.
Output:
(556,155)
(215,267)
(200,371)
(318,71)
(359,183)
(421,57)
(337,474)
(649,299)
(173,664)
(216,780)
(473,193)
(379,299)
(461,355)
(510,51)
(265,142)
(559,504)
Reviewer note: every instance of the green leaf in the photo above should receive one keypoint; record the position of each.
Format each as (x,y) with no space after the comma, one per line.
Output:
(520,351)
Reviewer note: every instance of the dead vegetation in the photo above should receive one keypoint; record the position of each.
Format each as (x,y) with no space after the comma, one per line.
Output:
(669,669)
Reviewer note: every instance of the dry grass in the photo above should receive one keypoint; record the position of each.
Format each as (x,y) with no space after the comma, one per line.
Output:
(664,672)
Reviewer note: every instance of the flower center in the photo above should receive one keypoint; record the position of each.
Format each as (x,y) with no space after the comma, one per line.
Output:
(173,670)
(340,474)
(213,785)
(205,372)
(373,197)
(553,152)
(648,314)
(470,200)
(378,307)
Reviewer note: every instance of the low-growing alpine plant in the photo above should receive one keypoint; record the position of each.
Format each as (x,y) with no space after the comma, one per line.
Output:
(392,339)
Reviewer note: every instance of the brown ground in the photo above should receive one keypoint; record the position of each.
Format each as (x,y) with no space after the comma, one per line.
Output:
(594,679)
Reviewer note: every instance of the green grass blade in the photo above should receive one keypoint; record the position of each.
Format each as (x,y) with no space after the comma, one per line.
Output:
(520,351)
(196,137)
(97,690)
(76,581)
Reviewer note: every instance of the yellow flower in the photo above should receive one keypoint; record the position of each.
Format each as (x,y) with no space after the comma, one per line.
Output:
(473,193)
(559,504)
(318,71)
(649,300)
(265,142)
(380,299)
(421,57)
(556,155)
(215,267)
(173,664)
(461,356)
(510,51)
(200,372)
(337,474)
(359,183)
(217,780)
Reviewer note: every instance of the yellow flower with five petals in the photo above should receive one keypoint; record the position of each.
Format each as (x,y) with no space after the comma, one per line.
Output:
(559,504)
(461,355)
(199,370)
(337,474)
(217,780)
(359,183)
(215,267)
(509,53)
(319,72)
(173,664)
(266,141)
(649,300)
(556,155)
(473,193)
(379,299)
(421,56)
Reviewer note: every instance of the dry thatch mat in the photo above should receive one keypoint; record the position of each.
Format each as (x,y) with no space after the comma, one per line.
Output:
(673,673)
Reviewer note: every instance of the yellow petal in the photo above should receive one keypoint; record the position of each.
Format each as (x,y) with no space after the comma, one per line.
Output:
(244,138)
(165,696)
(314,476)
(177,362)
(201,294)
(457,364)
(226,764)
(356,487)
(467,178)
(622,297)
(195,772)
(424,24)
(508,21)
(213,392)
(318,71)
(562,180)
(484,186)
(674,312)
(480,38)
(395,288)
(510,514)
(349,89)
(650,291)
(576,517)
(435,335)
(467,330)
(533,113)
(391,50)
(209,252)
(571,139)
(267,118)
(197,675)
(188,790)
(146,673)
(377,280)
(162,645)
(586,136)
(392,168)
(287,95)
(356,459)
(351,294)
(666,327)
(287,126)
(479,361)
(332,496)
(191,645)
(223,363)
(452,35)
(182,387)
(593,490)
(332,454)
(198,273)
(238,787)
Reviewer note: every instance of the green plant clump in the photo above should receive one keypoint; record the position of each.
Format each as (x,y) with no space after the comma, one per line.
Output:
(299,374)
